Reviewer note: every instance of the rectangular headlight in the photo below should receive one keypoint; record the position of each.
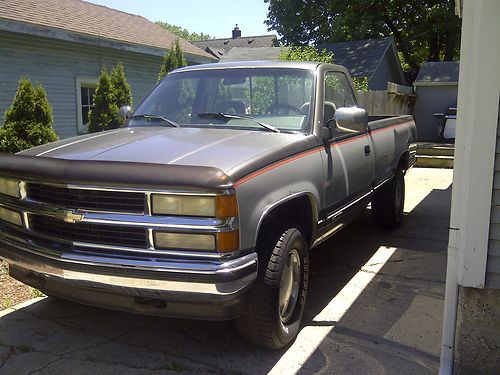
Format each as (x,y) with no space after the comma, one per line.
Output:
(185,205)
(10,216)
(220,206)
(184,241)
(9,186)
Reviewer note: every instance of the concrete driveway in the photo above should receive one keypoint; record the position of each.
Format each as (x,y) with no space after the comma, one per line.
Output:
(374,306)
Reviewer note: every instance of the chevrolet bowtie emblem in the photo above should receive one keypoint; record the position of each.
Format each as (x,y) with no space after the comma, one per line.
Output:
(69,216)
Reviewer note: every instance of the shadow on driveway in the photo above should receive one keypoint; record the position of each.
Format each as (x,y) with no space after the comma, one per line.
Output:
(393,326)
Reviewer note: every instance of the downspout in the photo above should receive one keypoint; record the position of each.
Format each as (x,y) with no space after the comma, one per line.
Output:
(450,306)
(451,290)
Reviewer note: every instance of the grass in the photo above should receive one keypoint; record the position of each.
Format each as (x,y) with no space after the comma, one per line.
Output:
(7,303)
(36,293)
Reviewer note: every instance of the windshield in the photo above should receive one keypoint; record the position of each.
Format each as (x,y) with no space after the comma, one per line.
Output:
(255,97)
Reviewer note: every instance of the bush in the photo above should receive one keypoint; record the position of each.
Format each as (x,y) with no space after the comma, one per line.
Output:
(104,114)
(123,94)
(28,121)
(306,53)
(172,60)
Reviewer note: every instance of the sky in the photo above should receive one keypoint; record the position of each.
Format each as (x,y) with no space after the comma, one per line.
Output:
(216,18)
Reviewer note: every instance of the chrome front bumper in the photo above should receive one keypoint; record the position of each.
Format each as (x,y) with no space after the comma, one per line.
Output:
(211,283)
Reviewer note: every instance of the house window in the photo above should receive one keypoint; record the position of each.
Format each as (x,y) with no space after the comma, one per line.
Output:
(87,102)
(85,89)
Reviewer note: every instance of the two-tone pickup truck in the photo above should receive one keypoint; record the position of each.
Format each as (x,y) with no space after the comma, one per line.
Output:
(207,202)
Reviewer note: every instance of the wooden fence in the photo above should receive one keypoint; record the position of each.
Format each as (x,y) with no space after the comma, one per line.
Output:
(396,100)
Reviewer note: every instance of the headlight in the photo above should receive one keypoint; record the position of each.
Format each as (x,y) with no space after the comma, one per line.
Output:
(10,216)
(9,186)
(223,242)
(184,241)
(219,206)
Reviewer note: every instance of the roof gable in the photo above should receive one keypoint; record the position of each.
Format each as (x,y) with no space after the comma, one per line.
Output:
(80,17)
(442,72)
(360,57)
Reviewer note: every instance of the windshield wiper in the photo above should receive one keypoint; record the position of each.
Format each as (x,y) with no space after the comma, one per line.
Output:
(222,115)
(158,117)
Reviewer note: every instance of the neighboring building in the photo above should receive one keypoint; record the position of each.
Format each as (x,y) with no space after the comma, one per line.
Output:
(219,47)
(376,59)
(471,326)
(253,54)
(64,44)
(436,87)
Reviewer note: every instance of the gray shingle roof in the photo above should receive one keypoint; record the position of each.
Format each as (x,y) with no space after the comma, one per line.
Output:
(443,72)
(252,54)
(98,21)
(225,44)
(360,57)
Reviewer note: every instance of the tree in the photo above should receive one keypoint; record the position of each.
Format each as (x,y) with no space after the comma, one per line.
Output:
(183,33)
(172,60)
(306,53)
(104,114)
(426,30)
(28,121)
(123,94)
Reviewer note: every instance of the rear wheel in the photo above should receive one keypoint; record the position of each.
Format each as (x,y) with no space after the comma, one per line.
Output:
(277,299)
(388,203)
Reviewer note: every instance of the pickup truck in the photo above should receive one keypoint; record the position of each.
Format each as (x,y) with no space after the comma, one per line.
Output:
(206,203)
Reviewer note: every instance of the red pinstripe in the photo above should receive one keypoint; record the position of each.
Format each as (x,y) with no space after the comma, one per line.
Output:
(309,152)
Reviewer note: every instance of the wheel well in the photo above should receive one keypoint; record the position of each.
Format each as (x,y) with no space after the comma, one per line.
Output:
(404,161)
(298,211)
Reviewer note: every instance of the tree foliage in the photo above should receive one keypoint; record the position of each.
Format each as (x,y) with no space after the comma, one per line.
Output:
(172,60)
(426,30)
(306,53)
(183,33)
(28,121)
(113,92)
(123,94)
(104,114)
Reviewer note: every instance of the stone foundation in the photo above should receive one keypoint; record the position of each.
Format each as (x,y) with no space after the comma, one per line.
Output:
(478,332)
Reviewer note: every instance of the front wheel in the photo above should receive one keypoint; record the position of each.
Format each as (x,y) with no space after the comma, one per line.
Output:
(388,202)
(277,299)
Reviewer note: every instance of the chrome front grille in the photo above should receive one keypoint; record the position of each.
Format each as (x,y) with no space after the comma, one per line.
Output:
(85,199)
(104,234)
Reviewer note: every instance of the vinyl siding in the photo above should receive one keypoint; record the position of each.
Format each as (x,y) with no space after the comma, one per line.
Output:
(430,100)
(382,75)
(493,260)
(56,65)
(387,71)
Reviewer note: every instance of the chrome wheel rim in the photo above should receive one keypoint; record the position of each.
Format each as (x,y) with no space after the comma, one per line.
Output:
(289,286)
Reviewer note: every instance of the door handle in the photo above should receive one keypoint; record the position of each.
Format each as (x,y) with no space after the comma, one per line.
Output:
(367,150)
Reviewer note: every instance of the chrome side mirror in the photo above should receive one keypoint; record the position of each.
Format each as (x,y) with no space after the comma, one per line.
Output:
(124,113)
(351,118)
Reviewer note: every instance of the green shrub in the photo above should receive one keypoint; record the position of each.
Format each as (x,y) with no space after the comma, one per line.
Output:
(28,121)
(172,60)
(123,94)
(306,53)
(104,114)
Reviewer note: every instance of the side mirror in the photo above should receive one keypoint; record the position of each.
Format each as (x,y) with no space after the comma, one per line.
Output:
(351,119)
(124,113)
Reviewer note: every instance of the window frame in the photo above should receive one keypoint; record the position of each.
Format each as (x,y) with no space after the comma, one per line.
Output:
(347,83)
(82,82)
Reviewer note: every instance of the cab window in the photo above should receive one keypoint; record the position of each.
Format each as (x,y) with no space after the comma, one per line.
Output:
(338,93)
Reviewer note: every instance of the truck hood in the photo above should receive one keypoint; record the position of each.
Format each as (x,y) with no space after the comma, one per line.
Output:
(220,148)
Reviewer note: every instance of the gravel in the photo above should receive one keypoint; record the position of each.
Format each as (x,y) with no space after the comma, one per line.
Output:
(12,291)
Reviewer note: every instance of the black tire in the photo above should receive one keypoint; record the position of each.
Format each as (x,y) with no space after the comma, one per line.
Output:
(388,203)
(268,323)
